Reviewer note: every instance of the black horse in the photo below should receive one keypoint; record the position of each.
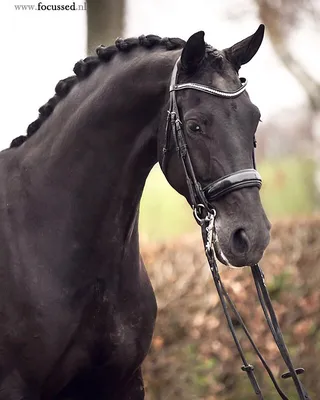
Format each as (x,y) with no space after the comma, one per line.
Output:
(77,309)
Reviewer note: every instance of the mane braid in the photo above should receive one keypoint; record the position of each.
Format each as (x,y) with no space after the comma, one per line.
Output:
(85,67)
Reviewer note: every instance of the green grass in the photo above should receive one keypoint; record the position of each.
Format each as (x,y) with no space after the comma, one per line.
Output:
(164,212)
(287,187)
(287,190)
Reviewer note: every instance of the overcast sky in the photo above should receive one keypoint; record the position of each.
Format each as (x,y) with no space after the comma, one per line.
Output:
(40,48)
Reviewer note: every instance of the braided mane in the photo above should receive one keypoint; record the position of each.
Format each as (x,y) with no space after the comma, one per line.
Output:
(84,68)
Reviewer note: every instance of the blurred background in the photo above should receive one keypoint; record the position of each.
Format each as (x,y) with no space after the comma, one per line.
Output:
(192,356)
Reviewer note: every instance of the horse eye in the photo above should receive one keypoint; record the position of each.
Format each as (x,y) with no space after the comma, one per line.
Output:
(193,127)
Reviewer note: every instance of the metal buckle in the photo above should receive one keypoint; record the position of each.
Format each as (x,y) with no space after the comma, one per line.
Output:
(287,375)
(198,211)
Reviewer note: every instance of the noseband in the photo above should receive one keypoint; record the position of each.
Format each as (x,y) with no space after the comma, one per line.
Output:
(201,198)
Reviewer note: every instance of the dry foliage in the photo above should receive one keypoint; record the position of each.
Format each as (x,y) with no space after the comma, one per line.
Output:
(193,355)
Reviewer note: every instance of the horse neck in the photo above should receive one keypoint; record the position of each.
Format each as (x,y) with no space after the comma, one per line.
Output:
(89,161)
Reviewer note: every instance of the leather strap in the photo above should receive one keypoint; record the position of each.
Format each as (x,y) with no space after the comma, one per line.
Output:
(237,180)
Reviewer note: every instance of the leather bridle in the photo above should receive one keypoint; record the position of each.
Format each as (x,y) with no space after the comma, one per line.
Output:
(202,195)
(201,198)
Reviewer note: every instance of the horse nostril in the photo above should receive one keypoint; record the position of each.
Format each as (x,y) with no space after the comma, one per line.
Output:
(240,241)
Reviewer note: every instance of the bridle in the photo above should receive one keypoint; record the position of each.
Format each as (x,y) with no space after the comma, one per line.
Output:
(205,214)
(202,196)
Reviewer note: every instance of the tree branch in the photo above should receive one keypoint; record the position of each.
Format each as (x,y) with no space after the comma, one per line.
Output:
(278,29)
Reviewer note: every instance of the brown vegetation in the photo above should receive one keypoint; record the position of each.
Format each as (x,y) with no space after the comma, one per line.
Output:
(193,355)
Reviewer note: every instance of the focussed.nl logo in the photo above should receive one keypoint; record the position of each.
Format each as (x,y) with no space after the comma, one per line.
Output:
(52,7)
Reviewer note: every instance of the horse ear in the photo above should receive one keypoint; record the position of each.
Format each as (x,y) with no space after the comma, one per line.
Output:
(193,52)
(243,51)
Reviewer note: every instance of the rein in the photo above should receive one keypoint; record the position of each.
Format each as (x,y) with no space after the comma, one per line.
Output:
(205,215)
(208,236)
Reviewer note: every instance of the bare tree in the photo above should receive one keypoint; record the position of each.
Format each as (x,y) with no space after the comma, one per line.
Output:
(105,21)
(281,18)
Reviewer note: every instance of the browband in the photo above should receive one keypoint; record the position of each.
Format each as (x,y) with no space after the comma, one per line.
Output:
(209,90)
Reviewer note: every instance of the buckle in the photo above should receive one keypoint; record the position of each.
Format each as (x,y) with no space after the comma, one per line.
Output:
(288,374)
(247,368)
